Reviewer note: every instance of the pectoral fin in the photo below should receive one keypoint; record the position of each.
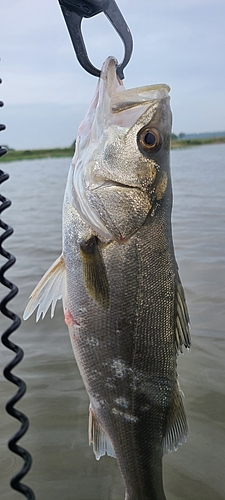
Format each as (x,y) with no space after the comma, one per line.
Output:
(176,425)
(51,288)
(94,272)
(97,437)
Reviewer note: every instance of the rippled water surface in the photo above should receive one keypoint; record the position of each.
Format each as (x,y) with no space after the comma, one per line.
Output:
(56,402)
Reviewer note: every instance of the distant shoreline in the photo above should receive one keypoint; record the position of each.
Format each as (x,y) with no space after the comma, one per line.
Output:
(185,143)
(34,154)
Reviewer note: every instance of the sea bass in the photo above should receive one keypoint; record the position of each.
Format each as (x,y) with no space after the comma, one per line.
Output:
(118,278)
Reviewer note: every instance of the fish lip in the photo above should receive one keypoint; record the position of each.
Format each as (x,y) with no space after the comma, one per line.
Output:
(125,99)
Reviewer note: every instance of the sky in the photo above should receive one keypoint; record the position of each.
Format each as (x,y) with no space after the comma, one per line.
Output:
(46,92)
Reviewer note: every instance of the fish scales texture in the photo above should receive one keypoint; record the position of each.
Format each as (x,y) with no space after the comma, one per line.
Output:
(124,303)
(128,360)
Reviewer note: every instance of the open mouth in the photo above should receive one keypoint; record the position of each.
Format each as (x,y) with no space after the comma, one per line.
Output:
(140,96)
(119,106)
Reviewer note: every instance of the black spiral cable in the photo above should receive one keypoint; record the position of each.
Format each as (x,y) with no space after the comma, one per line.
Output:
(12,444)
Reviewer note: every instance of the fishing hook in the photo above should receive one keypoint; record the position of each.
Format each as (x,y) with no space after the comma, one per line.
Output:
(74,11)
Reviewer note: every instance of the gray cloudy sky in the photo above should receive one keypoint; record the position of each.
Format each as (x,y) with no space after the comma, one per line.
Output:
(46,92)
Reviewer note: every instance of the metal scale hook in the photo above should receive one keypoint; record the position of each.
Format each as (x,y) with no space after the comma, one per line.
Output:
(74,11)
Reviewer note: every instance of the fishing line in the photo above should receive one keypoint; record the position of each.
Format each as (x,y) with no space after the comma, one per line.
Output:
(12,443)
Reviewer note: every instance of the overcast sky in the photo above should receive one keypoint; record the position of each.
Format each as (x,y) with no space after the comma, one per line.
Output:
(46,92)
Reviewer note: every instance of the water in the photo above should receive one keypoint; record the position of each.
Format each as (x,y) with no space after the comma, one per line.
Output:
(56,402)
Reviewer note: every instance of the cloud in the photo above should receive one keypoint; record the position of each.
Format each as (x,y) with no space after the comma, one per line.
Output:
(43,125)
(179,43)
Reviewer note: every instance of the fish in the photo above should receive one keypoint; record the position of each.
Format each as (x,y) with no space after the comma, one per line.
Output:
(118,278)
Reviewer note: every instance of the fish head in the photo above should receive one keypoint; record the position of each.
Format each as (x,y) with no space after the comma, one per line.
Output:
(121,164)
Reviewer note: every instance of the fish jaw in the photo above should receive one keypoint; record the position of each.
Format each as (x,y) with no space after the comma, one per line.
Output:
(108,167)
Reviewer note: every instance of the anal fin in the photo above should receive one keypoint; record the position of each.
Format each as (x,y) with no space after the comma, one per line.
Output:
(51,287)
(176,425)
(97,437)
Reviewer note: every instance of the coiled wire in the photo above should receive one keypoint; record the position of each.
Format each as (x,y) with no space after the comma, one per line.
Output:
(12,444)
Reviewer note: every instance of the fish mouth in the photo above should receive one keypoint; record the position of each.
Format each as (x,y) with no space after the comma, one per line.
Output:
(140,96)
(126,105)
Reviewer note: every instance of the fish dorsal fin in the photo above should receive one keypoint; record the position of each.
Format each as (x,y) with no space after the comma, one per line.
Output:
(176,425)
(50,288)
(182,332)
(101,443)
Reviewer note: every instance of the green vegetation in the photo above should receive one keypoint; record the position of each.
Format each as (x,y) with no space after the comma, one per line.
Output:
(31,154)
(184,143)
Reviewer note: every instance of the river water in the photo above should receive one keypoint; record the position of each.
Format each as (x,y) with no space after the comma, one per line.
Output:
(56,402)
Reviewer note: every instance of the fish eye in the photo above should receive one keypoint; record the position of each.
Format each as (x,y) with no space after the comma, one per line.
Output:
(150,140)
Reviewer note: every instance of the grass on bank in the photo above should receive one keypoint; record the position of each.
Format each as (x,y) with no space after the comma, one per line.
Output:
(29,154)
(34,154)
(184,143)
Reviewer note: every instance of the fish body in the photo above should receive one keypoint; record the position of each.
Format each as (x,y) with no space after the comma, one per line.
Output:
(123,300)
